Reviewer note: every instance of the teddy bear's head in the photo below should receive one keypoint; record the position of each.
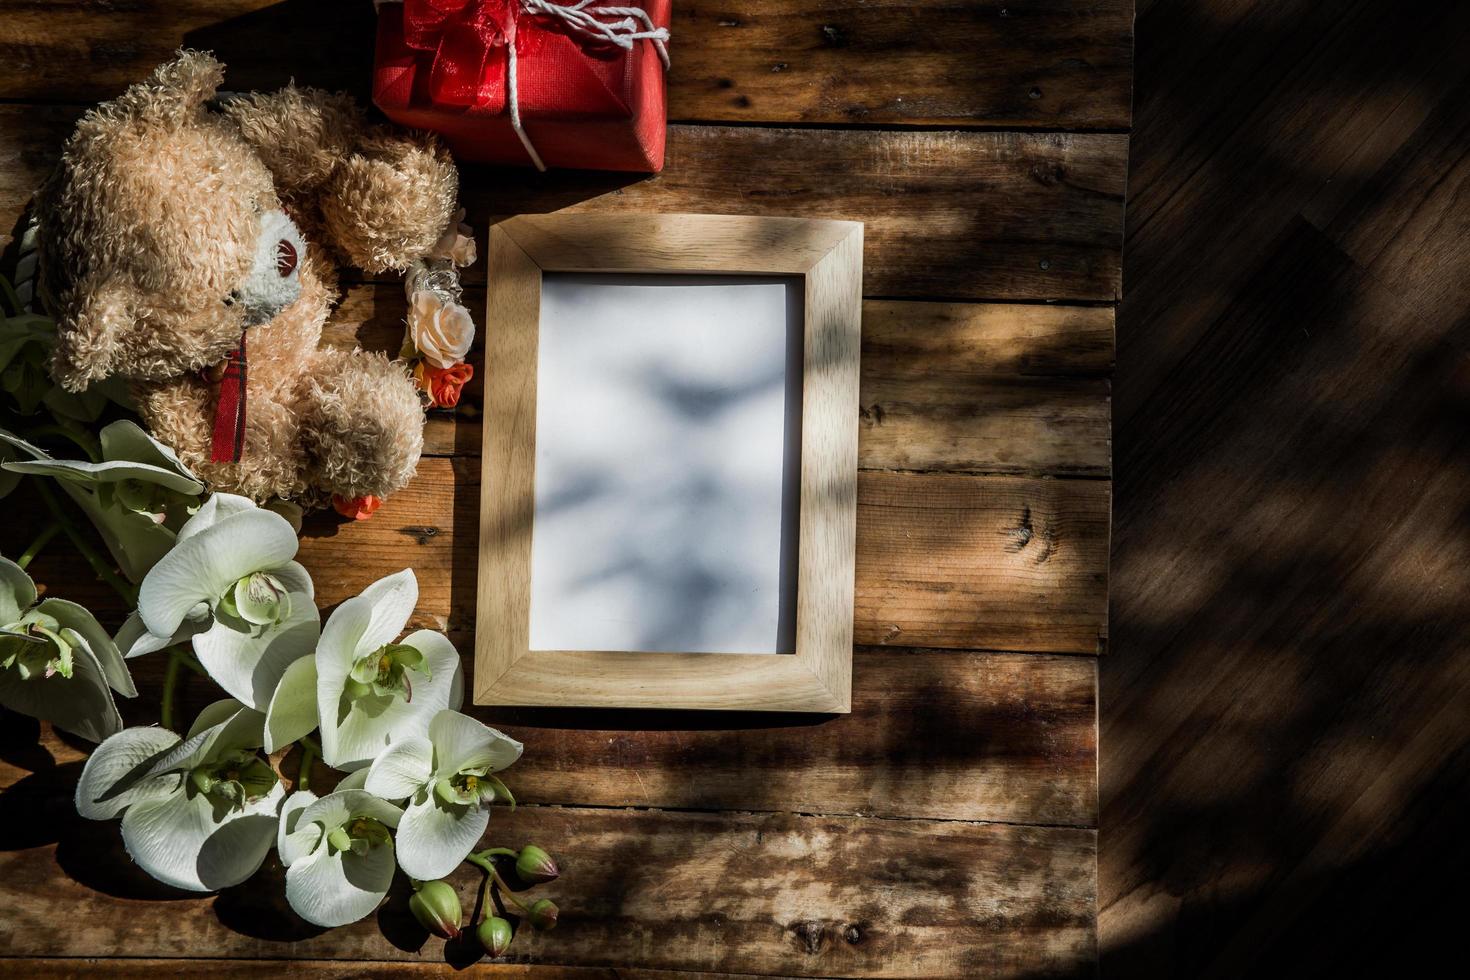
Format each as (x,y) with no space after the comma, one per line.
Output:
(170,239)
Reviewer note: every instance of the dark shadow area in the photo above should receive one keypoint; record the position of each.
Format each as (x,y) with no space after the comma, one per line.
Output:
(19,743)
(342,32)
(38,811)
(396,921)
(258,907)
(1284,740)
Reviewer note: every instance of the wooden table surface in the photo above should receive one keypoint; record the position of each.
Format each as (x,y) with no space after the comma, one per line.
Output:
(947,826)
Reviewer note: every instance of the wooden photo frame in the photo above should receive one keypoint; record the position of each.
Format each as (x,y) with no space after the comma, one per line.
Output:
(823,259)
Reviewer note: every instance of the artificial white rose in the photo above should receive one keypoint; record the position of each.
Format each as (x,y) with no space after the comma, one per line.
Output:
(371,688)
(338,853)
(56,661)
(230,586)
(440,329)
(197,813)
(445,778)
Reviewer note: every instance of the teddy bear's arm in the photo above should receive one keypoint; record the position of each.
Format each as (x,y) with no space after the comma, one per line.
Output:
(384,196)
(390,200)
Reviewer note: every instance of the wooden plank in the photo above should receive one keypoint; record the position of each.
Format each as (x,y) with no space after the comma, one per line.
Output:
(1030,756)
(1058,64)
(996,563)
(960,387)
(943,560)
(992,215)
(805,896)
(977,215)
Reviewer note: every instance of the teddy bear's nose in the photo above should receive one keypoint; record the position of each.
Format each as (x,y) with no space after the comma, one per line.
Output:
(285,258)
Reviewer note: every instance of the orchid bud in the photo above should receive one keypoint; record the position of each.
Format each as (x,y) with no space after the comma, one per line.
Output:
(542,915)
(535,866)
(494,934)
(436,905)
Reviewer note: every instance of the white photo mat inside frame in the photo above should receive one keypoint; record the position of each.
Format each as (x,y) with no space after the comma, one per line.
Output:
(667,463)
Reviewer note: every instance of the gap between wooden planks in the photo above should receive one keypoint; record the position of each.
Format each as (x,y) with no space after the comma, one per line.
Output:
(769,893)
(1055,64)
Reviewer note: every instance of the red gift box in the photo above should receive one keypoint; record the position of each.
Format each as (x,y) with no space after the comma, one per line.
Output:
(445,65)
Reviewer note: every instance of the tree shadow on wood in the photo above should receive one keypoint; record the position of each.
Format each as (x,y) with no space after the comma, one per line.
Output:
(1285,742)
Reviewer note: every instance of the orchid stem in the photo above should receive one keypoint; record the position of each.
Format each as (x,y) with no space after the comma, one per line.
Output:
(47,533)
(170,686)
(308,756)
(482,861)
(103,570)
(484,900)
(310,743)
(188,660)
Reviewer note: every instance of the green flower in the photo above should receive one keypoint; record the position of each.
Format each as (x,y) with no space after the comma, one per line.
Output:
(231,588)
(446,776)
(198,813)
(364,687)
(338,853)
(56,661)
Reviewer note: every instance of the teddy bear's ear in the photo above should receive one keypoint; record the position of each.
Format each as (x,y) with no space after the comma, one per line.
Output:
(88,332)
(177,89)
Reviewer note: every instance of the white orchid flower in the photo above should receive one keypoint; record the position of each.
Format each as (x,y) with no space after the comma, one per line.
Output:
(56,661)
(138,496)
(338,853)
(444,779)
(197,813)
(230,585)
(371,689)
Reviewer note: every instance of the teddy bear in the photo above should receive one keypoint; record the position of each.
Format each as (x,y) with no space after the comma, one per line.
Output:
(188,243)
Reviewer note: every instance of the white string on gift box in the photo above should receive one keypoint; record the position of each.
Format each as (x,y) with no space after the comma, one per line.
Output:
(582,20)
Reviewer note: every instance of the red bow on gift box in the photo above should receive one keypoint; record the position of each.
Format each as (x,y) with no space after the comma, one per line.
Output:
(464,35)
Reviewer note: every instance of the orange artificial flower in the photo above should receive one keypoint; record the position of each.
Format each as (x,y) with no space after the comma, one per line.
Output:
(443,385)
(357,508)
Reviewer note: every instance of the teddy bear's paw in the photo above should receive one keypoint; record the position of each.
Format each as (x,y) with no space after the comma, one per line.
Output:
(363,425)
(389,203)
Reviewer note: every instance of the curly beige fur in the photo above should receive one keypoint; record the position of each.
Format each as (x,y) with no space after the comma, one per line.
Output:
(148,230)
